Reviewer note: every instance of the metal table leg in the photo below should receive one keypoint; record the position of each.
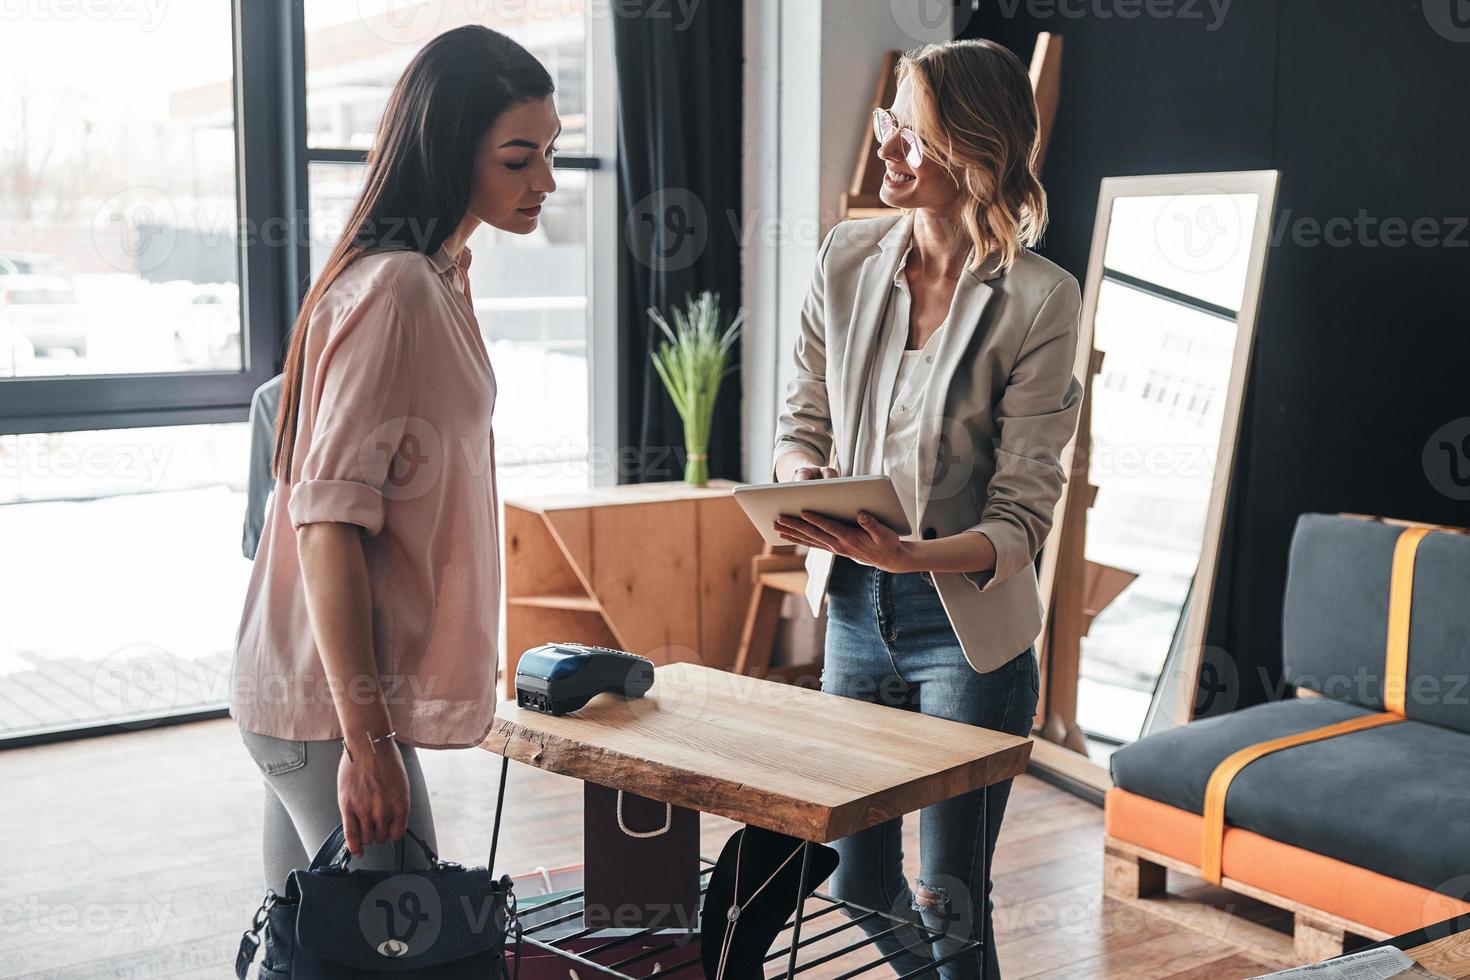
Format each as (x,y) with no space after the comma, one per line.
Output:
(806,860)
(984,872)
(499,808)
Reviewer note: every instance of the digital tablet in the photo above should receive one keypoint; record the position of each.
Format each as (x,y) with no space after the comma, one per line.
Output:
(840,498)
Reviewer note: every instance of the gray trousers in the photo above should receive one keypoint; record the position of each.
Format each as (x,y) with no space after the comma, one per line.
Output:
(301,806)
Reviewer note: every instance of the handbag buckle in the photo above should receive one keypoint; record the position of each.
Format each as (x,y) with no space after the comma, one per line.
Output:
(246,954)
(257,923)
(249,941)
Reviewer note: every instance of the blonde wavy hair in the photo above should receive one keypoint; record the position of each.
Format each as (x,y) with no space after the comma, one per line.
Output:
(976,113)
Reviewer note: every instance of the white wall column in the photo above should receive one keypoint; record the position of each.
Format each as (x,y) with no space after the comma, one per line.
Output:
(810,69)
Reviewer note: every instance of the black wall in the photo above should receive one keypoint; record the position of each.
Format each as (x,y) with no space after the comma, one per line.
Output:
(1363,346)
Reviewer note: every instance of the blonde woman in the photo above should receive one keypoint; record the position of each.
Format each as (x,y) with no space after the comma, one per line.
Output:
(936,348)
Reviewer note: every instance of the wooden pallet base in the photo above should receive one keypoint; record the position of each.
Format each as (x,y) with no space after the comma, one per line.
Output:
(1137,876)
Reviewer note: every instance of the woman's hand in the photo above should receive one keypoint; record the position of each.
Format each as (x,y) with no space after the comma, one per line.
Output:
(372,794)
(870,541)
(814,473)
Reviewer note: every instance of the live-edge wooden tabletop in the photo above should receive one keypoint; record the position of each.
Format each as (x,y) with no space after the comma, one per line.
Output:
(1449,957)
(800,762)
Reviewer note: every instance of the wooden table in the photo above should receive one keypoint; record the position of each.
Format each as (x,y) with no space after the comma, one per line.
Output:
(1449,957)
(1443,948)
(800,762)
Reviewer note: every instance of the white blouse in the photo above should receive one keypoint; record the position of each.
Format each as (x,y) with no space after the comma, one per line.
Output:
(888,432)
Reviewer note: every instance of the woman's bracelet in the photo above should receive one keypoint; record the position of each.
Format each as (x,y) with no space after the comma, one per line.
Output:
(372,740)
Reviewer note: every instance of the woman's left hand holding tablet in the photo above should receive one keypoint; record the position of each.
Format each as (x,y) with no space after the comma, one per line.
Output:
(870,541)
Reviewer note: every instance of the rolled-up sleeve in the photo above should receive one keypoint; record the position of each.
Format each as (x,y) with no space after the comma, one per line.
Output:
(1037,416)
(806,422)
(362,407)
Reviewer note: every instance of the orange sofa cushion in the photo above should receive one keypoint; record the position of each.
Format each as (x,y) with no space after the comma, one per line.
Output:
(1327,884)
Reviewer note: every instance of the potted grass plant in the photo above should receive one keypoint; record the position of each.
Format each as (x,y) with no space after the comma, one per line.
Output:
(693,359)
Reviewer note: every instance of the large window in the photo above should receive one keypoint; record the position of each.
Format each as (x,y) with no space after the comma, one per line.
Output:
(162,180)
(531,292)
(356,51)
(117,251)
(121,585)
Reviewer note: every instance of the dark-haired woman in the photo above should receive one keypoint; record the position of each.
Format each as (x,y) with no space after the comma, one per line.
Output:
(370,624)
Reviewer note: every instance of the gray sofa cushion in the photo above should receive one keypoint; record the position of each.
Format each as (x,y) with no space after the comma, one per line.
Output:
(1334,625)
(1335,621)
(1395,799)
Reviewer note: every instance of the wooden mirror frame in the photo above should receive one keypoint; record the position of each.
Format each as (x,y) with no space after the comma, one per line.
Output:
(1061,746)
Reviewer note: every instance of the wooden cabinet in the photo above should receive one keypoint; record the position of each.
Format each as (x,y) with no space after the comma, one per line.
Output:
(660,569)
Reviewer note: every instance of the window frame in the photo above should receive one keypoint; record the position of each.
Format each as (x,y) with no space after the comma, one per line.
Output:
(116,401)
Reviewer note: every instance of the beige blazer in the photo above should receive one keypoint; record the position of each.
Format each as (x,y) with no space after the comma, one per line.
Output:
(1001,404)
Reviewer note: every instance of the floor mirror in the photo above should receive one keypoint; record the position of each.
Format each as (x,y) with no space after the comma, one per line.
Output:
(1168,316)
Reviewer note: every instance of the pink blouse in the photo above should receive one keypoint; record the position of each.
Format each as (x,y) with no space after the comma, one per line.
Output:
(394,436)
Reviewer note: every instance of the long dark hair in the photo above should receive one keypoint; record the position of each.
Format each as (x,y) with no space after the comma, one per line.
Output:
(420,170)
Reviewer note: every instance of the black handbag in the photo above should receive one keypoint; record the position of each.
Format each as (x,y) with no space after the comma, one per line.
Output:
(446,922)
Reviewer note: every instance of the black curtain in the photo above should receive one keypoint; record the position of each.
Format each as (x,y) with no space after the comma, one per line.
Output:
(1362,339)
(679,148)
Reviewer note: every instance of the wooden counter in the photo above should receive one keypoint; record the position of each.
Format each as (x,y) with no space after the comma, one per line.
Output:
(657,569)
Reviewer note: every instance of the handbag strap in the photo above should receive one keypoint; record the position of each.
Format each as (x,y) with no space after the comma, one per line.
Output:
(331,849)
(334,852)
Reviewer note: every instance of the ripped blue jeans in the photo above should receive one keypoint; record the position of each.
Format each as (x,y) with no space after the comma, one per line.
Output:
(890,642)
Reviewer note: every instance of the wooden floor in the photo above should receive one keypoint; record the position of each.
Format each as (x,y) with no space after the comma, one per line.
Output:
(138,856)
